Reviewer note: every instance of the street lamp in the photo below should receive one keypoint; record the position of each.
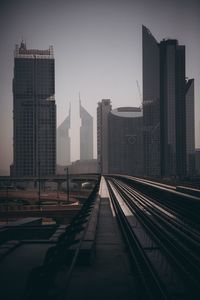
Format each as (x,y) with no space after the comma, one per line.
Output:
(57,190)
(7,203)
(67,183)
(39,183)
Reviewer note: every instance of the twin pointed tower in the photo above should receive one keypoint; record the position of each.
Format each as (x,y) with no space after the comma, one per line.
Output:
(86,137)
(86,133)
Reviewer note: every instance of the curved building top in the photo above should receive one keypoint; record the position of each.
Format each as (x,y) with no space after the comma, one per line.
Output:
(127,112)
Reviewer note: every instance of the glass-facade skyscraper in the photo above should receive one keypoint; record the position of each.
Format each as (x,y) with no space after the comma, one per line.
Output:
(34,112)
(151,103)
(190,130)
(173,110)
(168,109)
(103,110)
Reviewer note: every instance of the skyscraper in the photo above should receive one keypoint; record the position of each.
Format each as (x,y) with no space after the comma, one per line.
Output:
(86,134)
(190,130)
(165,97)
(119,139)
(173,112)
(64,142)
(151,103)
(34,112)
(125,142)
(103,109)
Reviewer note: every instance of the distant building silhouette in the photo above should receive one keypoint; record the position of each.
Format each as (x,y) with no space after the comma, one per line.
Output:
(86,134)
(64,142)
(103,109)
(83,166)
(190,127)
(34,112)
(168,104)
(125,142)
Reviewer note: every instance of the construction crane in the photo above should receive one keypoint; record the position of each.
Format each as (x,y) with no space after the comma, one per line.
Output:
(140,94)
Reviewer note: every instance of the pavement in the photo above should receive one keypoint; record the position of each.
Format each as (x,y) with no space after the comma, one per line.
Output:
(110,275)
(16,267)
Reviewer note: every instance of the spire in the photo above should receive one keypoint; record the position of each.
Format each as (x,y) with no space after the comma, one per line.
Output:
(79,103)
(79,94)
(23,44)
(69,113)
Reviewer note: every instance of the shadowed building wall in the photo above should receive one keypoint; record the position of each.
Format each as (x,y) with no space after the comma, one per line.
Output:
(125,141)
(190,128)
(173,111)
(166,99)
(103,110)
(151,103)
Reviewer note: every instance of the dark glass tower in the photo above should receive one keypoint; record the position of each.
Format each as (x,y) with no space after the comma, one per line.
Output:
(103,110)
(34,112)
(173,111)
(190,127)
(165,121)
(151,103)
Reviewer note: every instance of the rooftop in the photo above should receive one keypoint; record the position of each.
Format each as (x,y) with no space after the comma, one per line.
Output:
(22,52)
(128,112)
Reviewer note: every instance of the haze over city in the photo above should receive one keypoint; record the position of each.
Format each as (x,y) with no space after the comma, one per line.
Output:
(98,52)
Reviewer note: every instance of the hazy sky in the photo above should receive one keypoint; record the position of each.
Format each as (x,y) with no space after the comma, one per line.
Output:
(98,51)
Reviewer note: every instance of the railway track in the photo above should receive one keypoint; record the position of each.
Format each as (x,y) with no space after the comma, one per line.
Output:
(164,247)
(184,206)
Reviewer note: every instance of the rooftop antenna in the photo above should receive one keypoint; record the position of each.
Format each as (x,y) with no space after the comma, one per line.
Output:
(23,43)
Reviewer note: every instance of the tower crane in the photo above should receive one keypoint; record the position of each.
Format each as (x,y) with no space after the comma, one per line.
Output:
(140,94)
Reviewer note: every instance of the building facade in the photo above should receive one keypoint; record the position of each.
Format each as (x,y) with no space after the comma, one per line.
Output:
(64,142)
(151,103)
(168,104)
(86,134)
(197,162)
(83,167)
(190,127)
(103,109)
(125,141)
(34,112)
(173,110)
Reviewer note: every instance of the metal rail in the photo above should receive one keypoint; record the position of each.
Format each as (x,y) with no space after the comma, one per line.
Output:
(150,286)
(173,236)
(185,206)
(162,211)
(186,240)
